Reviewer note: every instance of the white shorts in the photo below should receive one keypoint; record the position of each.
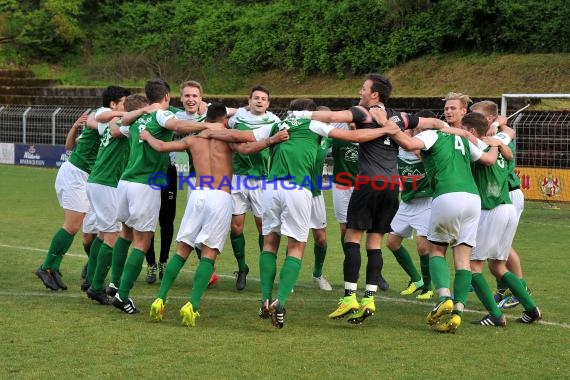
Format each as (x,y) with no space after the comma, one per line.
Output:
(191,188)
(340,198)
(139,205)
(413,215)
(70,187)
(90,223)
(207,219)
(318,213)
(517,198)
(246,194)
(104,200)
(454,219)
(495,233)
(287,210)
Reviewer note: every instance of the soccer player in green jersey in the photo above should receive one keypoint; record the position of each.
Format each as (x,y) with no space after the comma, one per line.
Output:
(70,186)
(287,196)
(456,208)
(498,214)
(102,191)
(489,109)
(249,171)
(141,182)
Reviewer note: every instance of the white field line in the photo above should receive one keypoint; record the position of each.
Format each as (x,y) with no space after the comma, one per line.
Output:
(237,297)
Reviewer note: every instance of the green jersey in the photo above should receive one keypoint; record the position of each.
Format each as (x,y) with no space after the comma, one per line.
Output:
(143,160)
(513,180)
(492,182)
(447,162)
(85,152)
(251,164)
(295,159)
(111,159)
(415,181)
(317,177)
(345,162)
(182,115)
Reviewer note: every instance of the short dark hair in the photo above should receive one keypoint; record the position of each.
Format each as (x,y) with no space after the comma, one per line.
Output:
(156,90)
(476,121)
(380,84)
(259,88)
(114,94)
(216,112)
(302,104)
(135,101)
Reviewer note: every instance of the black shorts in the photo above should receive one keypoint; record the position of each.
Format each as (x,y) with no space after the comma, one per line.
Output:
(372,207)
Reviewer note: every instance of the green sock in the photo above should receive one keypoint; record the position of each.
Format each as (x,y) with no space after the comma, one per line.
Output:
(238,246)
(201,279)
(485,294)
(320,254)
(461,286)
(267,272)
(60,243)
(120,252)
(173,267)
(92,260)
(405,260)
(519,291)
(131,271)
(103,264)
(439,273)
(424,265)
(501,284)
(260,242)
(523,281)
(287,278)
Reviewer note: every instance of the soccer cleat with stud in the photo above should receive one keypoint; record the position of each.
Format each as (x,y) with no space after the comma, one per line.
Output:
(383,284)
(530,316)
(57,278)
(111,289)
(46,275)
(500,294)
(323,283)
(157,310)
(100,297)
(263,312)
(449,325)
(277,313)
(367,309)
(442,308)
(189,315)
(508,302)
(127,306)
(151,274)
(241,278)
(412,288)
(426,294)
(85,285)
(489,320)
(346,305)
(213,280)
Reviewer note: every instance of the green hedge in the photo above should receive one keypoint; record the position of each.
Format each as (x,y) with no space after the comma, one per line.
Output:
(310,36)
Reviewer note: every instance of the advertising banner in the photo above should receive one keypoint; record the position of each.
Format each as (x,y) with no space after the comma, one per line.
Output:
(50,156)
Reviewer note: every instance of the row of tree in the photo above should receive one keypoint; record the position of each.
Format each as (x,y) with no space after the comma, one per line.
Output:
(311,36)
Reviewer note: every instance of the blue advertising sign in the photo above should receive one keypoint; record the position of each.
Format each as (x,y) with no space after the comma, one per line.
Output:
(50,156)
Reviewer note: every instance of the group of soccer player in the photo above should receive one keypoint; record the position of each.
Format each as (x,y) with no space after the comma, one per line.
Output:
(255,162)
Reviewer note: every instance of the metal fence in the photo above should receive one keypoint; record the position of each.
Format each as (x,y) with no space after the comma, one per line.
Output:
(543,137)
(37,124)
